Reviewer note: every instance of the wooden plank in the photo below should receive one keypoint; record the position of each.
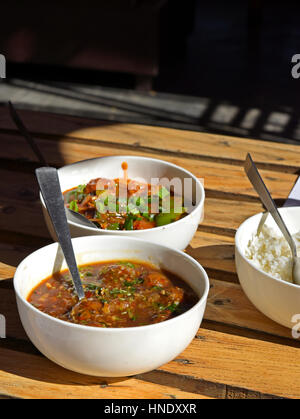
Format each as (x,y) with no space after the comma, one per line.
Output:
(216,256)
(29,376)
(234,364)
(238,361)
(225,216)
(18,217)
(282,156)
(214,252)
(6,271)
(228,304)
(219,178)
(12,255)
(8,308)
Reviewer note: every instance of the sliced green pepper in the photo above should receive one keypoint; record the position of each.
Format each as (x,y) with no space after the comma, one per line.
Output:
(113,226)
(164,218)
(163,192)
(128,225)
(74,206)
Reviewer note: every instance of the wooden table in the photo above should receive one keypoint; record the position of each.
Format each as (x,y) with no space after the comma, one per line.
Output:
(238,352)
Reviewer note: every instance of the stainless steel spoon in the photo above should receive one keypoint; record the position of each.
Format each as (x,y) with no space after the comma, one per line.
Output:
(266,199)
(50,188)
(72,215)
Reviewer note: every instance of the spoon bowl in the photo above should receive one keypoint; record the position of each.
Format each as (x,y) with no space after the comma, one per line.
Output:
(78,218)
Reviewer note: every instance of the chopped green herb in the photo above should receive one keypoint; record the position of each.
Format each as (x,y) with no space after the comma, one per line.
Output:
(131,315)
(172,307)
(90,286)
(129,264)
(115,291)
(133,282)
(157,288)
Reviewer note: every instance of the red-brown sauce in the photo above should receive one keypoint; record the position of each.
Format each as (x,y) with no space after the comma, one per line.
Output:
(117,294)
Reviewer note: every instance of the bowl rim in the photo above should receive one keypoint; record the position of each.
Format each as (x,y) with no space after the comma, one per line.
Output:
(180,253)
(137,232)
(252,264)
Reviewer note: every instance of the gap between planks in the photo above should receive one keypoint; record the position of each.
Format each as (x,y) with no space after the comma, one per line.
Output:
(157,150)
(25,375)
(215,253)
(157,382)
(282,156)
(219,178)
(195,369)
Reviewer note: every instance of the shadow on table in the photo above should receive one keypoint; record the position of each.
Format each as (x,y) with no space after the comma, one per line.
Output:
(40,369)
(26,361)
(22,226)
(217,260)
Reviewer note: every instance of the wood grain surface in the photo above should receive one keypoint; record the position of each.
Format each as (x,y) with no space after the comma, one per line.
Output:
(238,352)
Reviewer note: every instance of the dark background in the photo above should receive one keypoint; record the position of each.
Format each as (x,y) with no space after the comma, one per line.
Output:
(233,54)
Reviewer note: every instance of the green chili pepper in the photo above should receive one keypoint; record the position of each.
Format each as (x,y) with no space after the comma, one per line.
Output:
(128,225)
(81,188)
(164,219)
(74,206)
(113,226)
(100,207)
(163,192)
(149,217)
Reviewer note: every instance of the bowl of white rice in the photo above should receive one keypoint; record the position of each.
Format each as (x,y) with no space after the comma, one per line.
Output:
(264,266)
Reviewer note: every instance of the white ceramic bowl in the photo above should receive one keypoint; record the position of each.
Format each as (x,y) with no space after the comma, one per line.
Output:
(177,234)
(277,299)
(110,352)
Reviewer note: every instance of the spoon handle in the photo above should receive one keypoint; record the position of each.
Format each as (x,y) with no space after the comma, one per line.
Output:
(23,130)
(264,194)
(73,215)
(49,184)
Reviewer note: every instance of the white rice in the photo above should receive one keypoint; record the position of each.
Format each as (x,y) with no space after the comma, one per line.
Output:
(270,252)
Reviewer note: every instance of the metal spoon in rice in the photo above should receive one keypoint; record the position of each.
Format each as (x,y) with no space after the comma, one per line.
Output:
(265,197)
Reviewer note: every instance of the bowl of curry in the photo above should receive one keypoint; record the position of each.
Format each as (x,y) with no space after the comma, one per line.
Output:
(143,304)
(132,196)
